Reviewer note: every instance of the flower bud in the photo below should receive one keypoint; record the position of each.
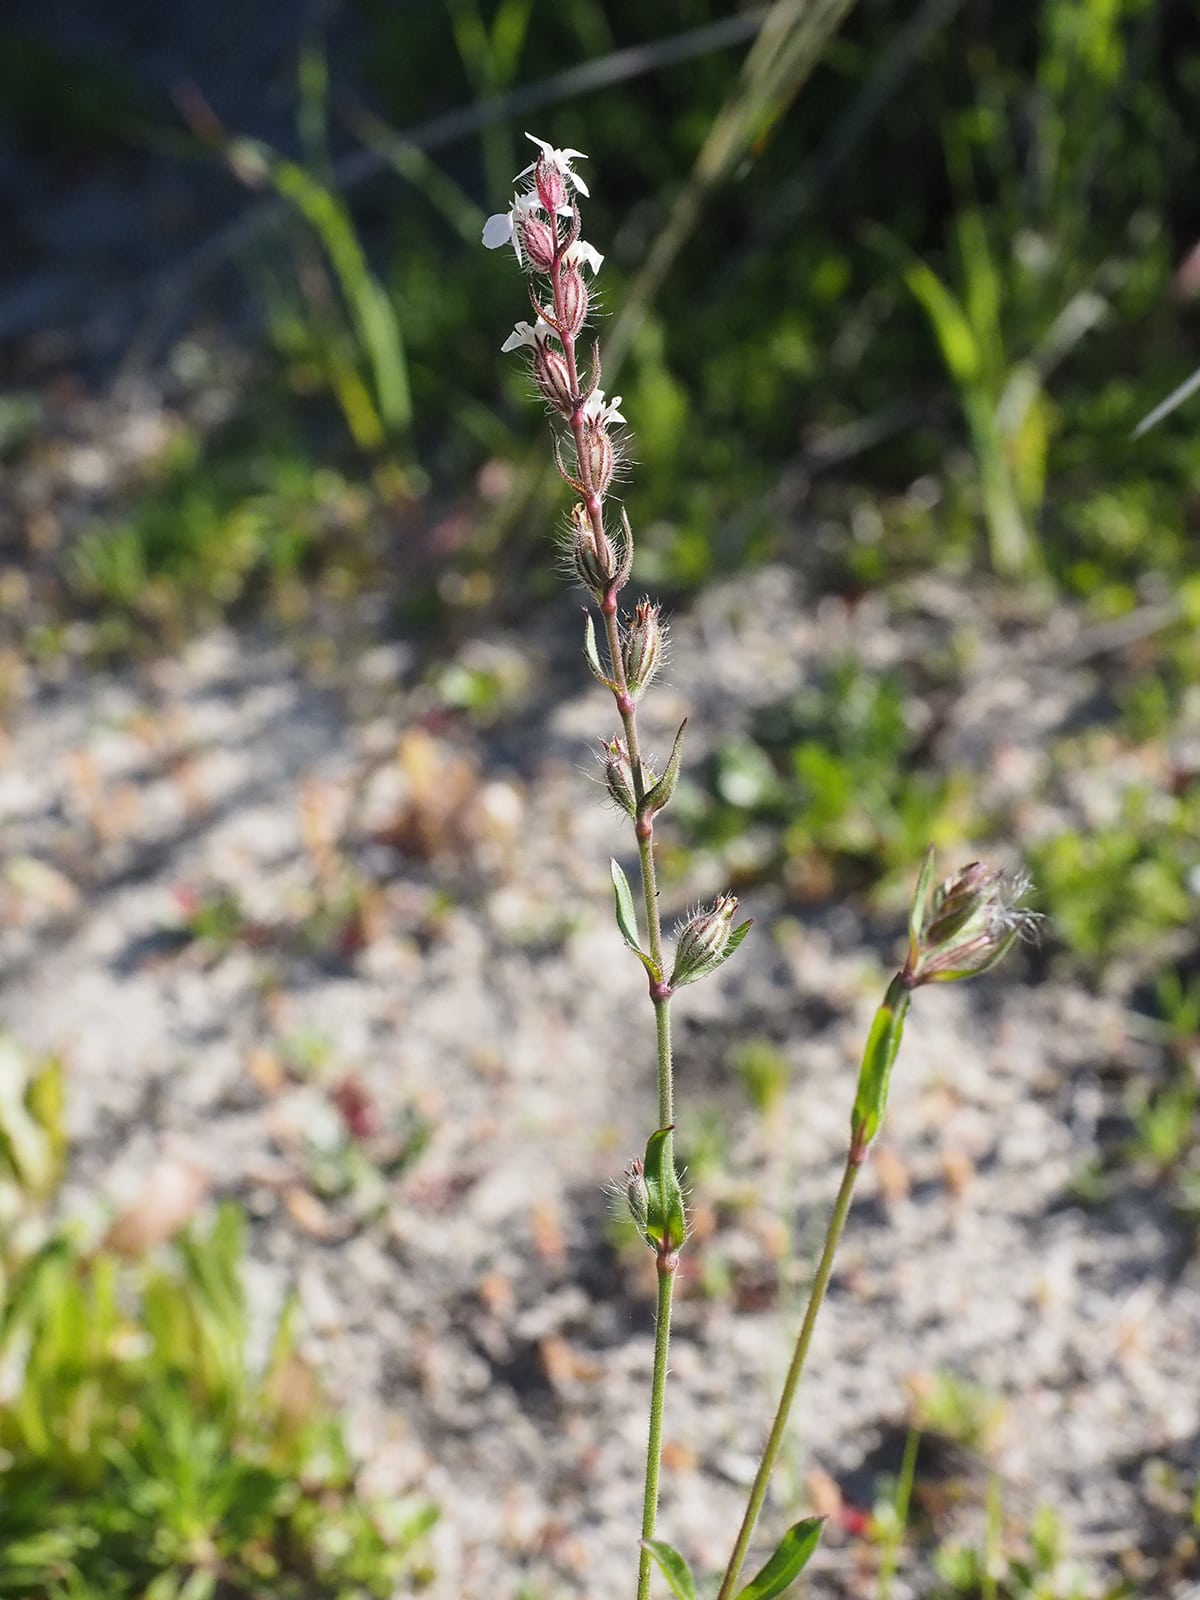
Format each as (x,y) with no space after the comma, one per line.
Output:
(552,378)
(537,243)
(600,564)
(666,1220)
(601,457)
(618,775)
(637,1197)
(573,297)
(965,925)
(706,940)
(550,184)
(642,647)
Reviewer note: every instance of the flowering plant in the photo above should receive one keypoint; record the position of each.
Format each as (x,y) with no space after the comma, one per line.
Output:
(957,929)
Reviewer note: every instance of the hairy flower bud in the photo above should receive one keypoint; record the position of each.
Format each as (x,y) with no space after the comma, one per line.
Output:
(536,241)
(601,563)
(642,647)
(552,378)
(573,296)
(600,455)
(637,1197)
(966,924)
(618,775)
(707,940)
(550,184)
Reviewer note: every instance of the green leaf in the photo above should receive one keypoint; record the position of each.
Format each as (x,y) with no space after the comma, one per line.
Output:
(626,916)
(788,1562)
(874,1076)
(593,655)
(920,898)
(673,1568)
(959,345)
(627,919)
(665,787)
(666,1223)
(735,939)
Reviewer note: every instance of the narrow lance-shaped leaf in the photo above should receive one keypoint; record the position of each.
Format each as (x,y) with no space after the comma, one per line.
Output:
(788,1562)
(874,1076)
(673,1568)
(662,791)
(627,918)
(666,1224)
(593,654)
(920,899)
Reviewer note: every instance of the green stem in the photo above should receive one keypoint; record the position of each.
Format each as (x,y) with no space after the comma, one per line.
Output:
(666,1085)
(758,1493)
(627,708)
(658,1391)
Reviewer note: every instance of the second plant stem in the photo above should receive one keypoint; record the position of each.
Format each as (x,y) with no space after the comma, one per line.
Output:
(758,1492)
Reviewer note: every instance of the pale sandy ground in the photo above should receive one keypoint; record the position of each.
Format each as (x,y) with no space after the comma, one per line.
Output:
(488,1341)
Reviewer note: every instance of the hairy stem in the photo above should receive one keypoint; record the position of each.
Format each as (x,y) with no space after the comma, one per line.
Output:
(627,710)
(658,1390)
(758,1493)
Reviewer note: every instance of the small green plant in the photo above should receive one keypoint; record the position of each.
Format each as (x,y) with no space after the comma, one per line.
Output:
(140,1455)
(360,342)
(957,929)
(835,775)
(763,1070)
(1121,889)
(889,1520)
(212,524)
(1003,1570)
(1029,278)
(32,1142)
(958,1410)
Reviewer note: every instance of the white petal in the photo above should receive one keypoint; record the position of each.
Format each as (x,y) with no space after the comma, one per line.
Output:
(521,334)
(585,253)
(578,182)
(541,143)
(498,230)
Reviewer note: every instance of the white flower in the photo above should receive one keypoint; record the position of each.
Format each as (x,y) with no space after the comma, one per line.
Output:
(601,412)
(561,159)
(523,334)
(502,228)
(582,253)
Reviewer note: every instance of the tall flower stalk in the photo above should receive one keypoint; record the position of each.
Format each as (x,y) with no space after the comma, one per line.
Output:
(957,929)
(544,229)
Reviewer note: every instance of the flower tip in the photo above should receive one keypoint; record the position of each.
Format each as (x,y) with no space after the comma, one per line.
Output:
(968,923)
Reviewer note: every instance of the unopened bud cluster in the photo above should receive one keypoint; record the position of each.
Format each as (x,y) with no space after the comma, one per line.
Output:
(966,924)
(543,226)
